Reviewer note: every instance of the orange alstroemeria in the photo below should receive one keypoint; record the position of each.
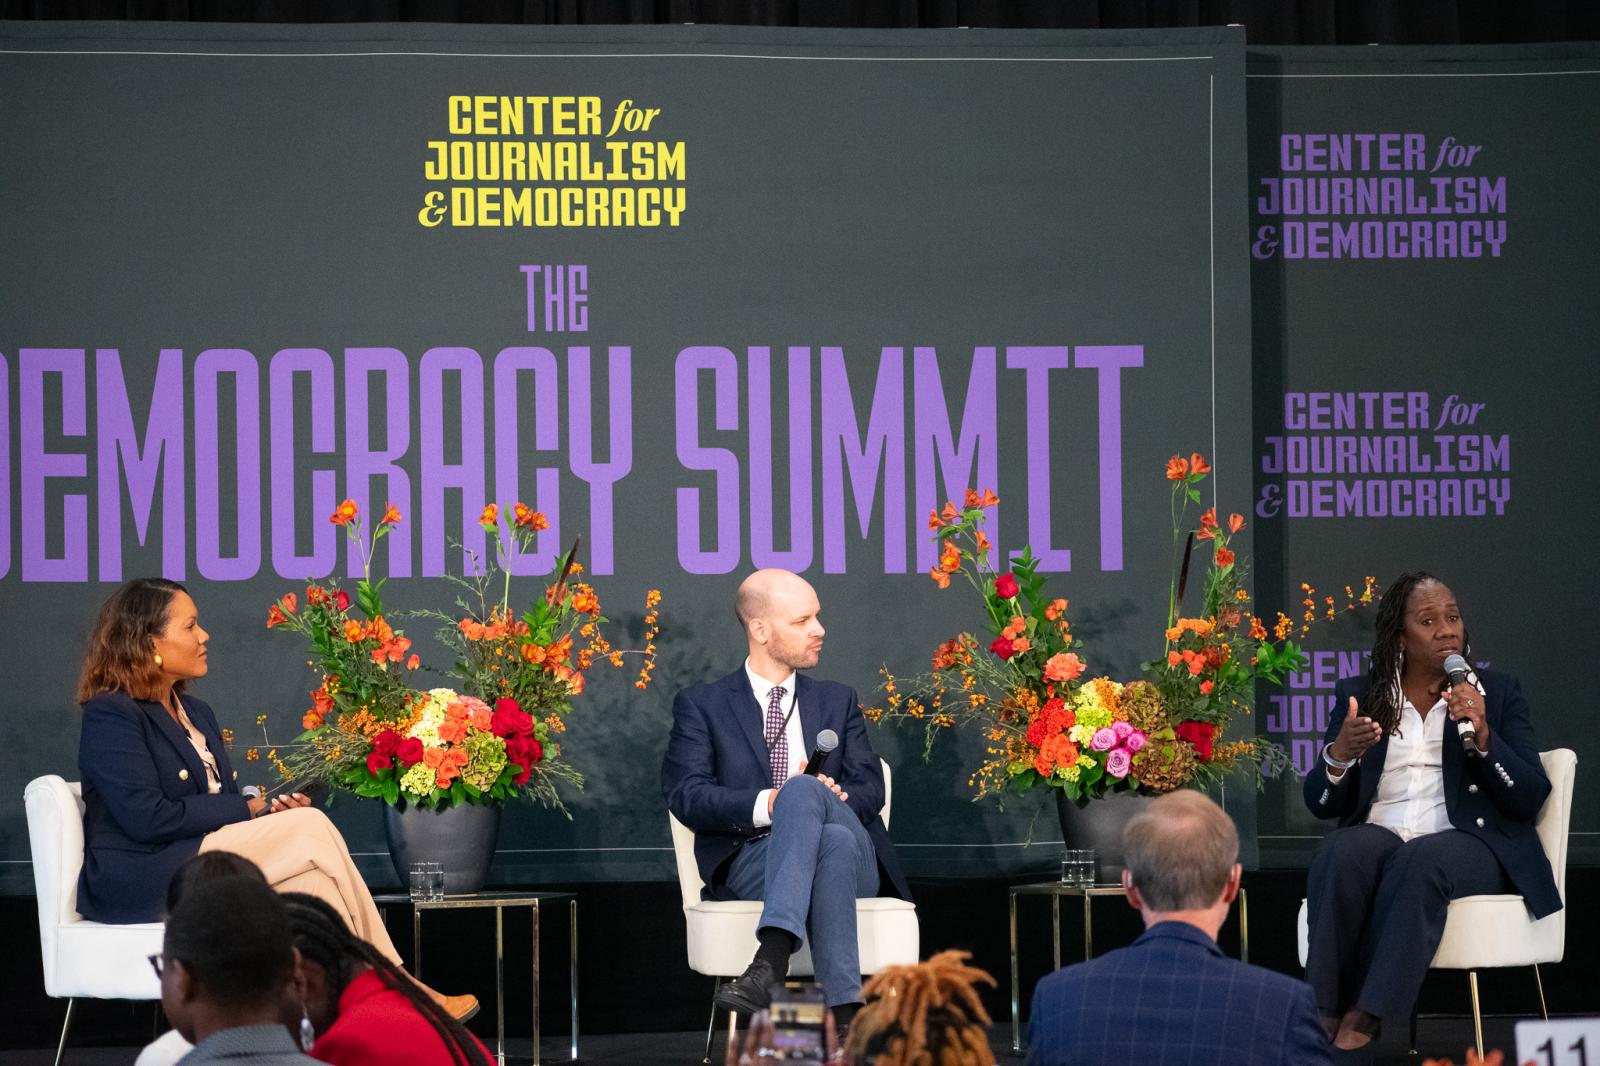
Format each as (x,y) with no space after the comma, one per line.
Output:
(934,521)
(275,616)
(316,594)
(950,558)
(950,513)
(972,499)
(988,500)
(528,518)
(1198,464)
(983,543)
(352,630)
(533,653)
(1177,469)
(391,515)
(490,516)
(1224,557)
(1208,524)
(940,577)
(1235,522)
(344,514)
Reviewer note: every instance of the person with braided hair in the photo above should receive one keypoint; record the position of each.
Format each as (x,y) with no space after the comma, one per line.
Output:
(928,1014)
(1424,817)
(361,1008)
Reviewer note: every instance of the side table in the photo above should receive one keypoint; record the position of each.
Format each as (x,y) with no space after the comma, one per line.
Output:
(1055,890)
(499,901)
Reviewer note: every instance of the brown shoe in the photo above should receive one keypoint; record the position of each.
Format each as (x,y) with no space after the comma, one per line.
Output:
(460,1008)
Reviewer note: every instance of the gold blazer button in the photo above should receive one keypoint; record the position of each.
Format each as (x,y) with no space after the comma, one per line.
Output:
(183,775)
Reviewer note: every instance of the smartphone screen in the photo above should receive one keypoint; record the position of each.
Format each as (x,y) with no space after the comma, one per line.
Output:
(797,1024)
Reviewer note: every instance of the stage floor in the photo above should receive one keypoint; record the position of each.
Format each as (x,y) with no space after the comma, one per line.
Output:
(1436,1037)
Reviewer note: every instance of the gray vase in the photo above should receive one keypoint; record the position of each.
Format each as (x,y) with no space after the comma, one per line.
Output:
(1099,826)
(460,838)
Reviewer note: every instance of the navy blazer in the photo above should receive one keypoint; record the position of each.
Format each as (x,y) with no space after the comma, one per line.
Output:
(1496,797)
(1172,998)
(716,764)
(145,803)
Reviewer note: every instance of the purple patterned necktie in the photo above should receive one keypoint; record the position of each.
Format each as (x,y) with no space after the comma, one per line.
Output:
(777,737)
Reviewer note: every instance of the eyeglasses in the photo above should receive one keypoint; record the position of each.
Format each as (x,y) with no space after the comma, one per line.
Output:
(157,961)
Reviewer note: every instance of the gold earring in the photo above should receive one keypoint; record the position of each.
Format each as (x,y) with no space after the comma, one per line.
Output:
(158,661)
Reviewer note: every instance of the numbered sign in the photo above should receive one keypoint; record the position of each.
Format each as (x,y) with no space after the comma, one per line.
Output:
(1569,1042)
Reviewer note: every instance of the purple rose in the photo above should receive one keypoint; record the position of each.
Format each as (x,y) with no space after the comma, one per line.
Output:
(1121,729)
(1135,741)
(1118,763)
(1104,739)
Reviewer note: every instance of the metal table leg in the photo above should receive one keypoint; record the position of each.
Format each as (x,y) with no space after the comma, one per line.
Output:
(573,959)
(1055,928)
(500,986)
(416,938)
(536,1028)
(1016,1013)
(1244,925)
(1088,930)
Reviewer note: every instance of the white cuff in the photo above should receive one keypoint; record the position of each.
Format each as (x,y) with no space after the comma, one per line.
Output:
(759,817)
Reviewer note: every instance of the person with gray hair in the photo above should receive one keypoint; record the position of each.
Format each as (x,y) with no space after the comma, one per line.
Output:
(1172,998)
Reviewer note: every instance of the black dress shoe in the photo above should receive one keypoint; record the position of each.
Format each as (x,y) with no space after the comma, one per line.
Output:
(750,991)
(1364,1055)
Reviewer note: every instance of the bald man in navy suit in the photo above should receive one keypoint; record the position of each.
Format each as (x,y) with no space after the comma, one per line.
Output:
(806,846)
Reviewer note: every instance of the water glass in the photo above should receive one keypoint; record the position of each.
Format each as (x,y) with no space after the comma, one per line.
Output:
(1078,867)
(427,882)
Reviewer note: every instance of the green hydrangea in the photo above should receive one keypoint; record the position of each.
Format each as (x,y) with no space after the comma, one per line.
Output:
(487,754)
(1091,712)
(418,780)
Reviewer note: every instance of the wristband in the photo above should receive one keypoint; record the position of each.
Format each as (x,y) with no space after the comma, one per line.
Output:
(1337,764)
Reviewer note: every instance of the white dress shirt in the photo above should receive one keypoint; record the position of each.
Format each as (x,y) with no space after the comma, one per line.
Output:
(762,689)
(1410,797)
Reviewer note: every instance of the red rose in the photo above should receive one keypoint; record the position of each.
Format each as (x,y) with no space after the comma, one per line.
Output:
(341,600)
(409,752)
(385,743)
(1005,586)
(524,751)
(509,720)
(376,762)
(1002,647)
(1199,735)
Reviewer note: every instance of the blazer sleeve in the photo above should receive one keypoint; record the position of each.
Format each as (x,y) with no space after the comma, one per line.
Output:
(1513,749)
(1304,1039)
(688,776)
(861,776)
(1324,798)
(114,756)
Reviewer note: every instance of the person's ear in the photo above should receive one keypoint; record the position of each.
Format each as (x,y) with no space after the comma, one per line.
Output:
(1130,891)
(1230,891)
(758,630)
(184,987)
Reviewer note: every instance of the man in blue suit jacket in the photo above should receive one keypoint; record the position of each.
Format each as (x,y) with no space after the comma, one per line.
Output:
(807,846)
(1172,998)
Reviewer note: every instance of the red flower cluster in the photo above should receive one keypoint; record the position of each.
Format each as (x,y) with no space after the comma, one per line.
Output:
(515,726)
(389,748)
(1200,736)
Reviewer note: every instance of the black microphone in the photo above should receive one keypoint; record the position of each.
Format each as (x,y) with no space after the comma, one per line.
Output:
(1456,670)
(827,740)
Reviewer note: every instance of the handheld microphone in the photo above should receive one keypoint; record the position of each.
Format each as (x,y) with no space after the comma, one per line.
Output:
(827,740)
(1456,670)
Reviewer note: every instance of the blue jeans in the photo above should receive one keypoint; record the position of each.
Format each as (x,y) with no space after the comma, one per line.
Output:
(808,872)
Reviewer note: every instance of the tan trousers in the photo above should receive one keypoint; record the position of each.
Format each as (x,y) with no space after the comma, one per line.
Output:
(300,850)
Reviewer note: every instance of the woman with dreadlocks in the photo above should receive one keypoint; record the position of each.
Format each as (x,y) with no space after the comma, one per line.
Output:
(360,1008)
(923,1015)
(1428,811)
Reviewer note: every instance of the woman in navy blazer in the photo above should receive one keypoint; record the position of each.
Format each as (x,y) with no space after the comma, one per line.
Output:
(158,785)
(1425,816)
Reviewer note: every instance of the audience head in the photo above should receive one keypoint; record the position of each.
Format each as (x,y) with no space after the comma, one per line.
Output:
(927,1013)
(331,956)
(778,611)
(122,651)
(1182,854)
(206,867)
(227,958)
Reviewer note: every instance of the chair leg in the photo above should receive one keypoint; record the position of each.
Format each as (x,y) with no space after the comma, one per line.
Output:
(1413,1044)
(1477,1011)
(1540,982)
(711,1026)
(61,1048)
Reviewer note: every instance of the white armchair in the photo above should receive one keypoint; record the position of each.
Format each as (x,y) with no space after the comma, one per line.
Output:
(1481,932)
(82,959)
(722,933)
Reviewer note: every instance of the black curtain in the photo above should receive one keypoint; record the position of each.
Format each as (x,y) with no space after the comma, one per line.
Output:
(1301,22)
